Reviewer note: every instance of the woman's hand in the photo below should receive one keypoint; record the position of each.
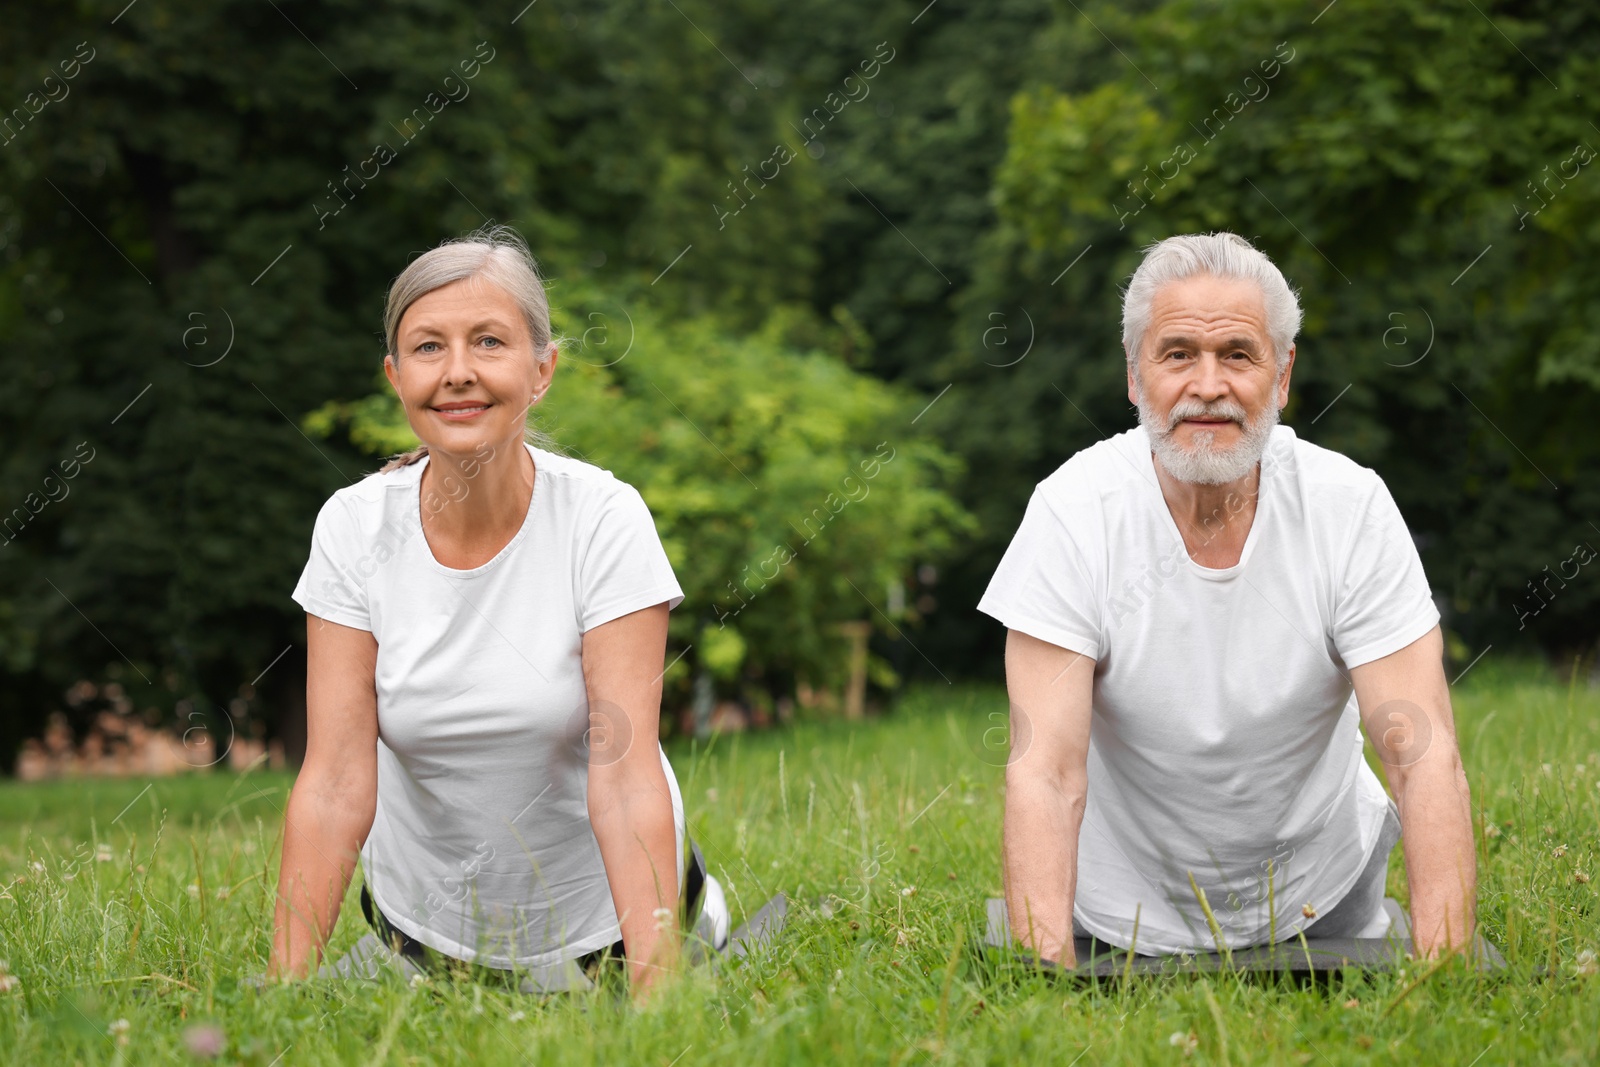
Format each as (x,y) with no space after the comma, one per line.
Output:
(334,798)
(630,802)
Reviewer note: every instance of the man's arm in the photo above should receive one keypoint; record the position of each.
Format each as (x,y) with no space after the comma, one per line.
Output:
(1047,785)
(1405,709)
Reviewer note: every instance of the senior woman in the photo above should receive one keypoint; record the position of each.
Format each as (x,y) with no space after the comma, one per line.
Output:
(486,626)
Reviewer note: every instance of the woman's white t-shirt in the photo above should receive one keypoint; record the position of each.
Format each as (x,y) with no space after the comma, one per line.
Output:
(1224,740)
(482,847)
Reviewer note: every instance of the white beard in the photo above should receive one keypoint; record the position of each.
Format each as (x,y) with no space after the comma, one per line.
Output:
(1206,464)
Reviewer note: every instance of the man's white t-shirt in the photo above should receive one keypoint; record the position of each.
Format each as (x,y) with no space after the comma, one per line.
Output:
(1224,739)
(482,846)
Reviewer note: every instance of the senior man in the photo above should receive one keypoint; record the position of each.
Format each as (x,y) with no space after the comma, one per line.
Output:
(1200,611)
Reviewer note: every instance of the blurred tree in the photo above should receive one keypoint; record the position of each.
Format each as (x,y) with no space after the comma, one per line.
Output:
(196,233)
(1418,173)
(201,206)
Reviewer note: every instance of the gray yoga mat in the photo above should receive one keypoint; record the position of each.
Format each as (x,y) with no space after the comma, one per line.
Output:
(1325,955)
(370,958)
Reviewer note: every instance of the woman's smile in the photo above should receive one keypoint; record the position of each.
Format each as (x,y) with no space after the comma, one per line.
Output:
(461,410)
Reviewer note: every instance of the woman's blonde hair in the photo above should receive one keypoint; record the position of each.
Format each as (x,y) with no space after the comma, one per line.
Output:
(496,254)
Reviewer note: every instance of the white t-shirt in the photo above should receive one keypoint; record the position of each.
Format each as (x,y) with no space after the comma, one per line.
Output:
(1224,738)
(482,846)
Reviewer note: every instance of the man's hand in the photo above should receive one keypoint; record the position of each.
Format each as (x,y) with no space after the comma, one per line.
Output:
(1052,693)
(1405,710)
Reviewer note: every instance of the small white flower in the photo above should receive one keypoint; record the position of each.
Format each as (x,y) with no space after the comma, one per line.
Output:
(9,982)
(517,1016)
(194,891)
(102,853)
(1587,963)
(909,891)
(119,1030)
(417,980)
(38,868)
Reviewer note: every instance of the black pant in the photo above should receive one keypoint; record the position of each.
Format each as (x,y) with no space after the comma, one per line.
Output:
(691,899)
(428,959)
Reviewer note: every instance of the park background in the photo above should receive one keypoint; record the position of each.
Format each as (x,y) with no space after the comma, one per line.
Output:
(837,282)
(783,242)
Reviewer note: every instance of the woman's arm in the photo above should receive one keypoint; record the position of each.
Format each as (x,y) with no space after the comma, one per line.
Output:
(334,798)
(630,805)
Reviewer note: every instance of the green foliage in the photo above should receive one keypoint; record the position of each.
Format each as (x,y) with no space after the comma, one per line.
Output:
(790,492)
(904,185)
(1392,159)
(259,172)
(895,823)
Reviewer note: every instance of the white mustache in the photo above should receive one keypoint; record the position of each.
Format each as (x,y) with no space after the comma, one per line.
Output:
(1194,409)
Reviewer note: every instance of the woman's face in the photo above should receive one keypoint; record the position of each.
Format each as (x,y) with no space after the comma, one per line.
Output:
(465,369)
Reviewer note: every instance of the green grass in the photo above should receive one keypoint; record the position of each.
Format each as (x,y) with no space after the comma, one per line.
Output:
(887,975)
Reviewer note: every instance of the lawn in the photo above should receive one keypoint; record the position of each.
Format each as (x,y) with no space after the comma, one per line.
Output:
(132,911)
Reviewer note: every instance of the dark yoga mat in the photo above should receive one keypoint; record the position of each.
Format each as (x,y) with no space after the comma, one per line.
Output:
(1316,956)
(761,929)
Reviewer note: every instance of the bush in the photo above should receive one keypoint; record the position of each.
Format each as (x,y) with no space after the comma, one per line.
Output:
(791,492)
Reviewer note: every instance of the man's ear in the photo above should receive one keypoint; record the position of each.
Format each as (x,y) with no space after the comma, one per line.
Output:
(1133,391)
(1283,383)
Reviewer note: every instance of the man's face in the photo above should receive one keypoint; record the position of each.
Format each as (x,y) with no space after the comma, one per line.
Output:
(1206,380)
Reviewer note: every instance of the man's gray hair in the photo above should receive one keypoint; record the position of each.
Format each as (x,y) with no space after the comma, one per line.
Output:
(1222,255)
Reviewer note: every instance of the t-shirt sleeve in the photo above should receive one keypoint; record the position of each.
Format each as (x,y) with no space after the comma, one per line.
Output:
(624,566)
(330,586)
(1383,602)
(1044,585)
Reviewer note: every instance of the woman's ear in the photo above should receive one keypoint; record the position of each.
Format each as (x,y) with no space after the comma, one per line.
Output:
(545,372)
(391,371)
